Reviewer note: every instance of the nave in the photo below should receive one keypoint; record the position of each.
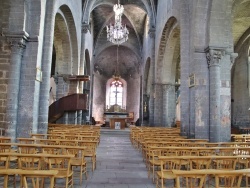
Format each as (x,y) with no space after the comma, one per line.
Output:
(119,165)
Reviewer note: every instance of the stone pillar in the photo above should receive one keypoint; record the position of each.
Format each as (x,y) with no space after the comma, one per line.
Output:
(152,70)
(233,56)
(17,43)
(158,104)
(64,119)
(214,57)
(85,85)
(185,66)
(46,67)
(141,101)
(79,117)
(92,79)
(169,105)
(72,117)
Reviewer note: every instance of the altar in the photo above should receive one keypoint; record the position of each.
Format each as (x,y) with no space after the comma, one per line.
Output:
(110,118)
(117,123)
(116,117)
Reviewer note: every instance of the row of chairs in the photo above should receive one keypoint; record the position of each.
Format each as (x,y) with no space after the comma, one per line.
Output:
(164,163)
(79,148)
(39,166)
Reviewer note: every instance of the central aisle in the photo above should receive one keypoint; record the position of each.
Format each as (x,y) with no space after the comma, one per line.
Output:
(119,165)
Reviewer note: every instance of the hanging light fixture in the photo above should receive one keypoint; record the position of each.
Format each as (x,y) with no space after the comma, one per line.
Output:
(117,33)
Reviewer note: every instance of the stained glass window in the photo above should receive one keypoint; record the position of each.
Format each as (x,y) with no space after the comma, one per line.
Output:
(116,90)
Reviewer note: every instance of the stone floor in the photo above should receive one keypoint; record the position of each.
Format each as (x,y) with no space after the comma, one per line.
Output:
(119,165)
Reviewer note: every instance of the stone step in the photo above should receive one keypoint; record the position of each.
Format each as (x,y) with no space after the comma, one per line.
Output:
(113,132)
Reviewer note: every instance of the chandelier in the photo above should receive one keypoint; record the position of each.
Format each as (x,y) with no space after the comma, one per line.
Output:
(117,33)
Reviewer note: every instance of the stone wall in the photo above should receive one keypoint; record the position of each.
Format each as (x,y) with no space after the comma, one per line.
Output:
(99,97)
(133,96)
(4,60)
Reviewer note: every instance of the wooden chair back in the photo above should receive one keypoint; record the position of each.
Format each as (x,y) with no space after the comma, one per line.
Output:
(78,161)
(228,180)
(225,164)
(30,163)
(63,165)
(27,150)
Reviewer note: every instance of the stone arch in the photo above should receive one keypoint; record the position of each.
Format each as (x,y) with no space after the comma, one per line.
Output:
(65,41)
(167,55)
(62,45)
(240,72)
(169,51)
(240,76)
(75,53)
(65,49)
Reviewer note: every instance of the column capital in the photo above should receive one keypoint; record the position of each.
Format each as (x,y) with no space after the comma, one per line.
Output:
(17,41)
(233,56)
(85,27)
(151,32)
(214,56)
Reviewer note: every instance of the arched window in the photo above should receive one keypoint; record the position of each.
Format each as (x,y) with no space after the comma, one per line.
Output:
(116,93)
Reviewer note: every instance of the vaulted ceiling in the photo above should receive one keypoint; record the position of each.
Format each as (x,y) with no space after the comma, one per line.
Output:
(137,13)
(241,18)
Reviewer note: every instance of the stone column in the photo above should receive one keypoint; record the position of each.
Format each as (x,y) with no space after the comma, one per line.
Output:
(185,23)
(18,44)
(158,104)
(85,85)
(169,105)
(85,29)
(92,79)
(141,101)
(72,117)
(213,58)
(152,70)
(46,67)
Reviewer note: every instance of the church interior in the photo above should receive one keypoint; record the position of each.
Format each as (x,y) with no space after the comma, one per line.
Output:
(131,65)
